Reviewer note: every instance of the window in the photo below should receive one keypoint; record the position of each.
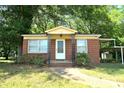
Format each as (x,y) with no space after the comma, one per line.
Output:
(33,46)
(37,46)
(81,46)
(43,46)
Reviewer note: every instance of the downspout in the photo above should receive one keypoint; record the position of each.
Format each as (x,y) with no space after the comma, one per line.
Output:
(49,52)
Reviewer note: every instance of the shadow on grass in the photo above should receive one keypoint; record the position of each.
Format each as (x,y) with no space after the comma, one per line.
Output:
(12,69)
(109,68)
(25,75)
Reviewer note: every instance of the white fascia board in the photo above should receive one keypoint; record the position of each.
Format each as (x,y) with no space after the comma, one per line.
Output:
(26,35)
(107,39)
(96,35)
(118,46)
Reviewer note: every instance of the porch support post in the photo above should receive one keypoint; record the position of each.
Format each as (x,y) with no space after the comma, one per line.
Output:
(49,45)
(116,55)
(122,55)
(73,49)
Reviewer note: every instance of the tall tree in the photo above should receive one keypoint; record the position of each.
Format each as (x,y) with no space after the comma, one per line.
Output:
(116,14)
(17,21)
(86,19)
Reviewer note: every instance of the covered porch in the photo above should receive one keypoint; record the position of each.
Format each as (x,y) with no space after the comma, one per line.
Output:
(113,51)
(61,46)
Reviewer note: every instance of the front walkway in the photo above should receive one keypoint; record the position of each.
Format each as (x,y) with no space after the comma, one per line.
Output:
(76,75)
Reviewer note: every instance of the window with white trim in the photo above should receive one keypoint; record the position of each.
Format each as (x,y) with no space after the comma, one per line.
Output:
(37,46)
(82,46)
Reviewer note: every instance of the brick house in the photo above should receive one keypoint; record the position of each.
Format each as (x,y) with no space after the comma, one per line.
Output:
(60,45)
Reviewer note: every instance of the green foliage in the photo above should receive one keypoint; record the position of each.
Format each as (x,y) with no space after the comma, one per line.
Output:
(14,21)
(82,59)
(38,61)
(116,14)
(24,59)
(8,39)
(28,59)
(86,19)
(108,61)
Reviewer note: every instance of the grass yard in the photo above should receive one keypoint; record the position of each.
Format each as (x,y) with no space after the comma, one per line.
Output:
(10,60)
(30,76)
(108,71)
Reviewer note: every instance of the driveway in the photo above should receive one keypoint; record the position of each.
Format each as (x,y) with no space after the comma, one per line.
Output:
(76,75)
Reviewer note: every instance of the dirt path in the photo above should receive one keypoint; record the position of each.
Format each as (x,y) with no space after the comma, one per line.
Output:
(75,74)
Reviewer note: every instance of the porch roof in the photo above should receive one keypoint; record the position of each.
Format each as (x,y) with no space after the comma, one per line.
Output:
(61,30)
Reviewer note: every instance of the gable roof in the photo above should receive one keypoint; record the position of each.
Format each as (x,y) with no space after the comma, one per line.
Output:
(61,30)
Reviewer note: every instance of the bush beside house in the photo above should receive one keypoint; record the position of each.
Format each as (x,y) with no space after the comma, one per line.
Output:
(82,59)
(27,59)
(108,60)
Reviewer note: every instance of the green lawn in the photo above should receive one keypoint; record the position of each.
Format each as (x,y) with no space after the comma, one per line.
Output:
(30,76)
(108,71)
(10,60)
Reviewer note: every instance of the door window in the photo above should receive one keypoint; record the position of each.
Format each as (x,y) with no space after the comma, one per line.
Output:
(60,46)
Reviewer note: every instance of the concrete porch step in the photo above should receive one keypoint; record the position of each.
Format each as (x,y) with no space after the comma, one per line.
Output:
(60,61)
(61,65)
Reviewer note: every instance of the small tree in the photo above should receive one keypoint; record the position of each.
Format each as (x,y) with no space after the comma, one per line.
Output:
(8,39)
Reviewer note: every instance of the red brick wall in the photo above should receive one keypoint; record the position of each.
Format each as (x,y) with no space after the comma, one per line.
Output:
(25,46)
(93,50)
(53,47)
(68,49)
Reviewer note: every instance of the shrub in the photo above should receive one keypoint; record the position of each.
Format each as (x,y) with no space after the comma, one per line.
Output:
(37,60)
(82,59)
(108,61)
(24,59)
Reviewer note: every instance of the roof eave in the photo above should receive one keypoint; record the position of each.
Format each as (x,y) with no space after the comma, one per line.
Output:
(107,39)
(96,35)
(33,35)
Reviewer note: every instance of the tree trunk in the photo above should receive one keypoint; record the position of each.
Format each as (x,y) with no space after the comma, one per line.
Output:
(6,53)
(19,50)
(6,57)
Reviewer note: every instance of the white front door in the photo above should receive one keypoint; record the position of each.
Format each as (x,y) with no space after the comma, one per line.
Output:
(60,49)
